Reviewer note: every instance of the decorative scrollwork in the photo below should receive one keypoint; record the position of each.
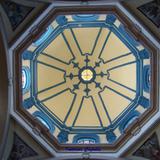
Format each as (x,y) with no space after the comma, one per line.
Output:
(20,149)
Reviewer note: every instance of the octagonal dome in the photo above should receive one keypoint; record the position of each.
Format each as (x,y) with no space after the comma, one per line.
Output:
(87,81)
(79,78)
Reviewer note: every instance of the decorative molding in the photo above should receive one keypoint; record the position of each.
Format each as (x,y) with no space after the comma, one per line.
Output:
(132,9)
(46,121)
(152,11)
(111,137)
(26,79)
(88,137)
(16,12)
(63,137)
(20,149)
(128,120)
(146,78)
(150,149)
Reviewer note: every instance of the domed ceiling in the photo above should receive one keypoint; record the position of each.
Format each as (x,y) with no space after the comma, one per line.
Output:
(86,79)
(84,74)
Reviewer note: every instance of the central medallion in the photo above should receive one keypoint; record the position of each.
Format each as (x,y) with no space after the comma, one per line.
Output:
(87,74)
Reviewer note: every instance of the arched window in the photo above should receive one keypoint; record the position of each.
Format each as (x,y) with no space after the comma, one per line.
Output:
(25,79)
(146,78)
(128,120)
(86,139)
(44,120)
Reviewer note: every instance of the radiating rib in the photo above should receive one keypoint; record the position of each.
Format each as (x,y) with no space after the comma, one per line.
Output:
(101,42)
(70,37)
(52,61)
(119,61)
(52,66)
(74,110)
(121,65)
(102,110)
(118,57)
(60,49)
(124,90)
(67,43)
(115,102)
(52,92)
(119,93)
(96,41)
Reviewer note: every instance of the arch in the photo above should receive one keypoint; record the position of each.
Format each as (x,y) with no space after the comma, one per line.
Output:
(26,80)
(128,120)
(146,78)
(86,139)
(44,120)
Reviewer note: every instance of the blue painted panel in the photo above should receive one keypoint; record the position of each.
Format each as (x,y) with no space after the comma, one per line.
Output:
(111,18)
(146,78)
(63,136)
(125,40)
(111,137)
(85,17)
(143,101)
(144,54)
(128,120)
(128,36)
(26,79)
(28,103)
(61,20)
(27,55)
(86,139)
(44,120)
(44,36)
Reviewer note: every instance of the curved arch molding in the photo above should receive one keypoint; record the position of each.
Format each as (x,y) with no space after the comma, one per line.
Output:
(26,79)
(86,139)
(44,120)
(128,120)
(146,78)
